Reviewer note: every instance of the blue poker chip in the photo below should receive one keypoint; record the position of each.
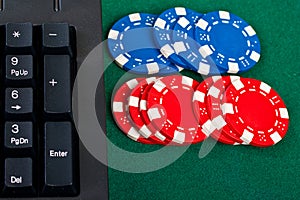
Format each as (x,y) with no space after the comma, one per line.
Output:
(188,48)
(229,40)
(131,44)
(163,31)
(183,34)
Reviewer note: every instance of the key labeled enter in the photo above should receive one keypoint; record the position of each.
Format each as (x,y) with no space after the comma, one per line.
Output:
(58,157)
(19,100)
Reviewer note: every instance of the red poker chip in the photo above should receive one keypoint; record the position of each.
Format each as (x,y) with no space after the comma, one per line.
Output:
(203,113)
(121,114)
(143,110)
(224,131)
(258,113)
(170,109)
(134,110)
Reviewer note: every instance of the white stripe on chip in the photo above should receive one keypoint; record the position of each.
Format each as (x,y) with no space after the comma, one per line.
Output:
(117,106)
(153,113)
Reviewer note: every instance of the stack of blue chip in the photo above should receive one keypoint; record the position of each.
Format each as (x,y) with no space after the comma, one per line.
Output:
(210,44)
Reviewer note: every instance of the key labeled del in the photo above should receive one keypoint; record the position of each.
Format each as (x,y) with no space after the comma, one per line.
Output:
(16,179)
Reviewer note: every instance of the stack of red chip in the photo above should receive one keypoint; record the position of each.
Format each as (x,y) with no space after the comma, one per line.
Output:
(177,110)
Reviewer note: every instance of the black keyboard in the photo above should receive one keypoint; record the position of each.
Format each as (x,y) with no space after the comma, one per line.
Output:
(42,44)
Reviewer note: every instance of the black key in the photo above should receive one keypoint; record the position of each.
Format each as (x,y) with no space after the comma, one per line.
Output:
(58,159)
(57,84)
(18,135)
(18,176)
(19,67)
(19,100)
(56,38)
(19,37)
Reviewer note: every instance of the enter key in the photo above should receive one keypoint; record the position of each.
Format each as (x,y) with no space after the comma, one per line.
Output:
(59,159)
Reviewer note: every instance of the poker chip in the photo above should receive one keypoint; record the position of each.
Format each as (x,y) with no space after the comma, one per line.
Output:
(134,110)
(121,114)
(222,130)
(200,105)
(156,133)
(169,105)
(188,48)
(229,40)
(143,110)
(163,31)
(256,112)
(183,34)
(140,57)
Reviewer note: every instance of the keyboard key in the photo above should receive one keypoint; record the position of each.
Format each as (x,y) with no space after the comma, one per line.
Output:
(19,67)
(18,176)
(57,84)
(19,36)
(19,100)
(18,135)
(58,159)
(56,38)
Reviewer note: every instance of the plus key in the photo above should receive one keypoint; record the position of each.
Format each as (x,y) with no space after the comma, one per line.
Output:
(57,84)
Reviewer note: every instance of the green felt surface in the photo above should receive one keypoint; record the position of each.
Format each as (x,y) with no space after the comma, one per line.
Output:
(227,172)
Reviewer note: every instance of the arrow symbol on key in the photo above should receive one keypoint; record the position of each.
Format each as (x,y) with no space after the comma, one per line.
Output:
(16,107)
